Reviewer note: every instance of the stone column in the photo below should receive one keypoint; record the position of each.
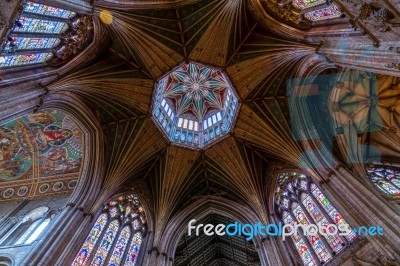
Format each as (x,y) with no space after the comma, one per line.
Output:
(47,250)
(356,202)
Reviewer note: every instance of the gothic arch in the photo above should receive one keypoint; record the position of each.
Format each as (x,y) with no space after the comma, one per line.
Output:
(176,228)
(84,195)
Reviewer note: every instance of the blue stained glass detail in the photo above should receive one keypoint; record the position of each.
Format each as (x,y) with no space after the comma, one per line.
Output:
(36,8)
(24,59)
(32,43)
(41,26)
(197,102)
(134,249)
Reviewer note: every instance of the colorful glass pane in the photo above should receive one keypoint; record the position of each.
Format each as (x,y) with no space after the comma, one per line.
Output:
(332,11)
(386,179)
(114,212)
(303,4)
(41,26)
(120,247)
(301,247)
(195,95)
(134,249)
(332,212)
(36,8)
(334,241)
(90,241)
(24,59)
(33,43)
(312,208)
(105,244)
(317,244)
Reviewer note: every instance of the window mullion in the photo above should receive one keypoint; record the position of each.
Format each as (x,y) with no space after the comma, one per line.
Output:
(312,220)
(128,246)
(327,216)
(111,251)
(305,240)
(390,182)
(94,250)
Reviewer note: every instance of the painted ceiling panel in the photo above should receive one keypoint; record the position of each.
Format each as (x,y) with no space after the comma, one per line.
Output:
(36,147)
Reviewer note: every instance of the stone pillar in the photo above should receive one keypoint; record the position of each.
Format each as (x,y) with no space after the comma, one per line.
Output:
(56,239)
(361,207)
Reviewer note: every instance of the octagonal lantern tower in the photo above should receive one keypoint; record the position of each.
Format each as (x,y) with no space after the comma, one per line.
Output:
(194,105)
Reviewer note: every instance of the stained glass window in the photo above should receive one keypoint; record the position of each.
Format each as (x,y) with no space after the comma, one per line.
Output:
(105,244)
(90,241)
(115,243)
(386,179)
(20,49)
(24,59)
(302,4)
(120,247)
(301,246)
(21,43)
(334,241)
(35,25)
(298,199)
(315,241)
(36,8)
(332,11)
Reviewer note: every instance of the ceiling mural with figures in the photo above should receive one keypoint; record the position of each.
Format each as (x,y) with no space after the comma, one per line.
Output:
(42,151)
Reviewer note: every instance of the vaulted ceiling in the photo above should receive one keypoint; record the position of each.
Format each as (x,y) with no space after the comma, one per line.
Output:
(146,43)
(216,250)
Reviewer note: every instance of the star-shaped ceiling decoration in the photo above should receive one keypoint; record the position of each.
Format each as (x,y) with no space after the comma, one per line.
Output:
(194,105)
(196,90)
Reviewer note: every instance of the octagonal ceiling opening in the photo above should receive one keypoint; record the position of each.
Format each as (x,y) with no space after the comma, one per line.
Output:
(194,105)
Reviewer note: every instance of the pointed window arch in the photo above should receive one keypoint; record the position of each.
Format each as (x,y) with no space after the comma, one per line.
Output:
(116,235)
(317,10)
(387,179)
(300,201)
(44,34)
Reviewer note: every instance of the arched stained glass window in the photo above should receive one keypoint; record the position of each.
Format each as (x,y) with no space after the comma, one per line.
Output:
(116,236)
(299,200)
(329,12)
(317,10)
(43,34)
(36,8)
(386,179)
